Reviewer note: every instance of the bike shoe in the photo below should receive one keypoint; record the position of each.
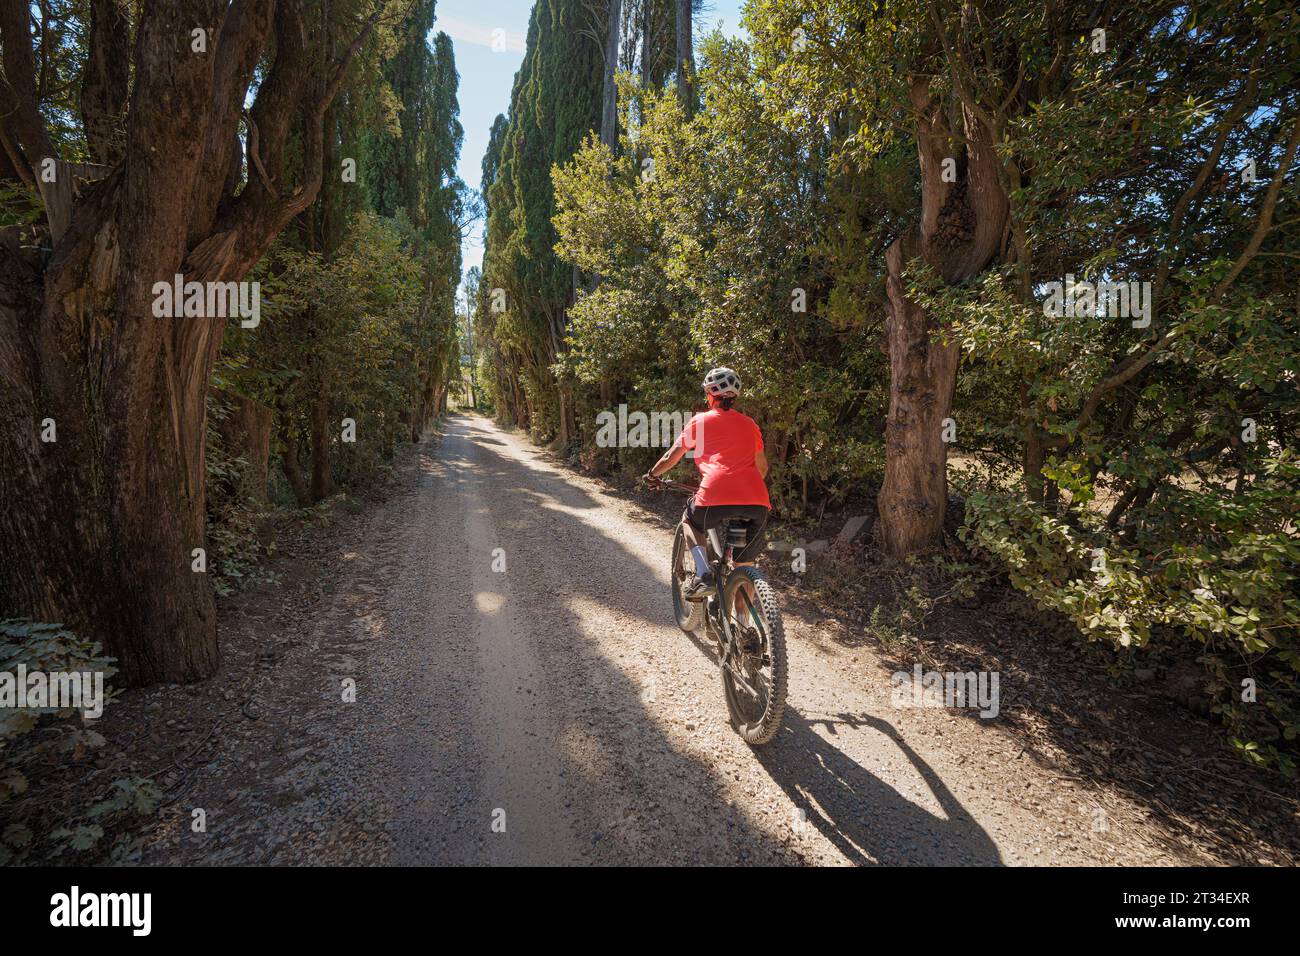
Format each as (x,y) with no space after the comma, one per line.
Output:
(697,588)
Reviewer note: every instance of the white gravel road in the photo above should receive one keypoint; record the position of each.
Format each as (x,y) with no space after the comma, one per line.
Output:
(552,713)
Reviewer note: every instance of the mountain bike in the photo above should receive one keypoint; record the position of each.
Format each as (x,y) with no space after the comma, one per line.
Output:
(744,622)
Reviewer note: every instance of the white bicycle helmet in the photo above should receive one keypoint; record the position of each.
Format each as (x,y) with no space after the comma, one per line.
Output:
(722,383)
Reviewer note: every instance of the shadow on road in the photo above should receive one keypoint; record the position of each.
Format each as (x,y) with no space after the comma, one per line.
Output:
(864,817)
(867,820)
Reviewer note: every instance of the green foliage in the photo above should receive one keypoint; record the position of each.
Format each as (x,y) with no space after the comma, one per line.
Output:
(716,245)
(1163,445)
(129,799)
(47,648)
(20,205)
(554,104)
(51,734)
(921,587)
(1223,572)
(1160,452)
(359,316)
(236,549)
(413,174)
(340,331)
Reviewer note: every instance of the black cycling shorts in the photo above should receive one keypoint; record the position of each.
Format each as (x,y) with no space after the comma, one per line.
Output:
(704,517)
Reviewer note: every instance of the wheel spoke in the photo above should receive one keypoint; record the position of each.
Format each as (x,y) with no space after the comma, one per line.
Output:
(744,684)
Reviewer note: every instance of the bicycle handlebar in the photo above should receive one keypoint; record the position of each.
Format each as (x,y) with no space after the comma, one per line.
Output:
(659,484)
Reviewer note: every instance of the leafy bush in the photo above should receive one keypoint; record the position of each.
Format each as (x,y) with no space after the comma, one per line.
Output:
(716,260)
(349,336)
(235,549)
(1221,571)
(50,733)
(1134,472)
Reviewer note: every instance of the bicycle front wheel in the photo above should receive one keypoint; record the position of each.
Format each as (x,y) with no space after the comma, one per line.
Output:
(754,678)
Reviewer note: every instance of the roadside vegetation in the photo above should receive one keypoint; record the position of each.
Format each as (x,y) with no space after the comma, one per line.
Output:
(881,217)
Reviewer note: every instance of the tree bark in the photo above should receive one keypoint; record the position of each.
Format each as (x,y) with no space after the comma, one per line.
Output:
(105,82)
(114,509)
(609,102)
(959,234)
(646,43)
(246,430)
(685,58)
(322,481)
(293,469)
(1033,458)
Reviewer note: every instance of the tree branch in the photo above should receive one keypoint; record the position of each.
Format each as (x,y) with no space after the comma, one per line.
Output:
(23,119)
(1123,372)
(1226,124)
(1265,221)
(105,81)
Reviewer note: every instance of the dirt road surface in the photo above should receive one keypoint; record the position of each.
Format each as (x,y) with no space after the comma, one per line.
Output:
(522,696)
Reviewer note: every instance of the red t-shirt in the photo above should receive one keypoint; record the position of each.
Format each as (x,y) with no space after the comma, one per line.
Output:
(724,445)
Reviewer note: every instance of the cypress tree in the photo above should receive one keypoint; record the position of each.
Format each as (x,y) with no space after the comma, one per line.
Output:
(555,103)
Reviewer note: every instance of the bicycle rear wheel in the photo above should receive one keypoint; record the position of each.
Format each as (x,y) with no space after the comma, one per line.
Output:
(754,681)
(689,614)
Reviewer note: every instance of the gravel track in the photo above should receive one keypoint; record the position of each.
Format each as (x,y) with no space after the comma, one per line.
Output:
(552,713)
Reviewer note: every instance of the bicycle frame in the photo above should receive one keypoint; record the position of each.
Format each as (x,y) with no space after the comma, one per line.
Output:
(715,612)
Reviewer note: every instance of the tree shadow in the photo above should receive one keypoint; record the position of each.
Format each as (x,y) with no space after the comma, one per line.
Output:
(867,820)
(1134,753)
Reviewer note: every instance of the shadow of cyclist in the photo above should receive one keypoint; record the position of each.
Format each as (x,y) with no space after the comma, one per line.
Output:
(866,819)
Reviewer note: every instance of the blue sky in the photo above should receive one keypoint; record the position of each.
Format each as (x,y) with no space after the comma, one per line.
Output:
(486,74)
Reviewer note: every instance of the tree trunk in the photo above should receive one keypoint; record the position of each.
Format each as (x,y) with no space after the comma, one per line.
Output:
(609,102)
(646,43)
(99,526)
(567,421)
(685,58)
(922,376)
(322,481)
(247,433)
(106,82)
(293,469)
(428,404)
(113,510)
(519,410)
(959,234)
(1033,458)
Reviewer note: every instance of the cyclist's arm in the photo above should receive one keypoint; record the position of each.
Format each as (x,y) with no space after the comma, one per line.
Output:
(760,462)
(675,452)
(669,460)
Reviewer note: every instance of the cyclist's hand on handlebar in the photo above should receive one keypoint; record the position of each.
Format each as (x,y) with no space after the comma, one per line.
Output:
(651,479)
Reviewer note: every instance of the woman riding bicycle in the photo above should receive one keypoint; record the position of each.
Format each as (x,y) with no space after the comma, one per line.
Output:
(727,448)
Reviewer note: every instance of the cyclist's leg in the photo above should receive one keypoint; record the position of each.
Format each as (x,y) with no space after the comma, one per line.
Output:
(755,519)
(694,528)
(694,537)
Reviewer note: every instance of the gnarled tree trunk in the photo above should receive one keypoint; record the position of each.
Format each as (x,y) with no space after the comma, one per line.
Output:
(959,234)
(100,528)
